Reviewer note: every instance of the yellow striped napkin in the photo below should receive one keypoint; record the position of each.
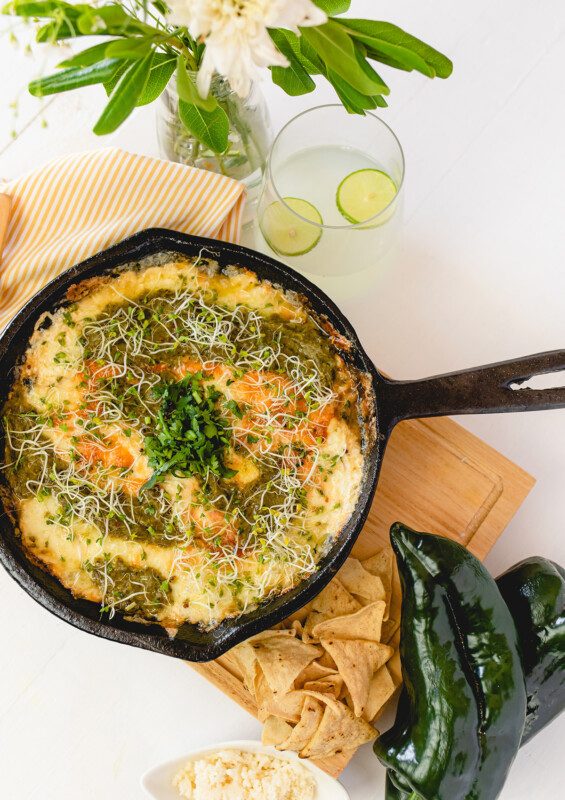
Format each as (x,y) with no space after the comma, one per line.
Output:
(77,205)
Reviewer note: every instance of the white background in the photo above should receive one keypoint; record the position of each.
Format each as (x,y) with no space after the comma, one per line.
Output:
(479,277)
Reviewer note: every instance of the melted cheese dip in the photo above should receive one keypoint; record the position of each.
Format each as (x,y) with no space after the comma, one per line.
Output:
(182,443)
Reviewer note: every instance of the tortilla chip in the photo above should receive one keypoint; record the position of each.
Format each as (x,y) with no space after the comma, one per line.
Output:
(313,618)
(389,629)
(381,565)
(275,731)
(282,658)
(317,699)
(356,661)
(310,718)
(359,582)
(331,684)
(287,707)
(344,694)
(339,730)
(312,672)
(363,624)
(246,663)
(300,615)
(335,600)
(263,697)
(326,660)
(394,665)
(269,634)
(381,689)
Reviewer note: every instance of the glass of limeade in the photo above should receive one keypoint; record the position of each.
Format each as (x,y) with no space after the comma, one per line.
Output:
(331,200)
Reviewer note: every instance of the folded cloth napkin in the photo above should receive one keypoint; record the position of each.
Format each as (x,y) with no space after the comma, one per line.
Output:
(78,205)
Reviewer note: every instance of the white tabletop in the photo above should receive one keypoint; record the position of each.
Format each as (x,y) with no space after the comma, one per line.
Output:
(479,277)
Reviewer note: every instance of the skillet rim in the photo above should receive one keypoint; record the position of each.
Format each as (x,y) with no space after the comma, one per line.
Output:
(203,645)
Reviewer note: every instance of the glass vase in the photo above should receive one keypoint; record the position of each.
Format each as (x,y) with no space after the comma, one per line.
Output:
(249,139)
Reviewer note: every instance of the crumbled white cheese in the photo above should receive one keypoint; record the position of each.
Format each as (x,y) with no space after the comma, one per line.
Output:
(240,775)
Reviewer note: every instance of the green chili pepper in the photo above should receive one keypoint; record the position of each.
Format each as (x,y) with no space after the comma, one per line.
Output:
(392,792)
(461,714)
(534,591)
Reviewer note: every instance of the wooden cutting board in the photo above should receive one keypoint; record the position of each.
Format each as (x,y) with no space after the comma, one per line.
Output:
(436,477)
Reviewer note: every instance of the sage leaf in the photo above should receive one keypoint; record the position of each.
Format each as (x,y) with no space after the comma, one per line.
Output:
(332,7)
(87,57)
(380,36)
(110,85)
(187,90)
(135,47)
(89,22)
(209,127)
(294,79)
(288,42)
(121,23)
(124,96)
(44,9)
(55,30)
(75,77)
(160,74)
(402,55)
(336,49)
(310,58)
(353,101)
(369,70)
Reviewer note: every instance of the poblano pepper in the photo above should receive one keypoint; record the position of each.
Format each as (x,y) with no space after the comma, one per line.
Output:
(461,714)
(534,591)
(392,792)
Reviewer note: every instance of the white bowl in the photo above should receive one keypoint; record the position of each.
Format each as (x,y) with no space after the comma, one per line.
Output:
(158,782)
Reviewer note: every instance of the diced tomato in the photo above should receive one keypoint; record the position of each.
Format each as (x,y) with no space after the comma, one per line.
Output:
(213,523)
(114,456)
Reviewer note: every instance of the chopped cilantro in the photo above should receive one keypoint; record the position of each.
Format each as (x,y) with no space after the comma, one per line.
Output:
(232,406)
(68,319)
(60,357)
(190,434)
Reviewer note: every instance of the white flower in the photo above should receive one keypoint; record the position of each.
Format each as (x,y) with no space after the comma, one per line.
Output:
(236,35)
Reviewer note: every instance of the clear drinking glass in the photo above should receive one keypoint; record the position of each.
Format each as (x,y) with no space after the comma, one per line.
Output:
(309,160)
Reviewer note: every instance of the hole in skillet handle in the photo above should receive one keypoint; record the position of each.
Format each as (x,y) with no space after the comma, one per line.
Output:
(553,380)
(191,643)
(491,389)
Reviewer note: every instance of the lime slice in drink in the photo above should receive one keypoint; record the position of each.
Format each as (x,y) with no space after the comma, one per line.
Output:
(364,194)
(289,234)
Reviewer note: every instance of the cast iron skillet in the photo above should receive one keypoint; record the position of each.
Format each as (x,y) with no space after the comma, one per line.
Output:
(484,390)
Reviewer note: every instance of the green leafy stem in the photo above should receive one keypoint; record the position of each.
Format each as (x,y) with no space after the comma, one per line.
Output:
(143,52)
(190,433)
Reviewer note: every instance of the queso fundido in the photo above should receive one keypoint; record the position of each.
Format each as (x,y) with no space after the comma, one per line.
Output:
(182,443)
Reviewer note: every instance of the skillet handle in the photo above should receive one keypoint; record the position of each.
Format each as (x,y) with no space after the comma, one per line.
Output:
(486,390)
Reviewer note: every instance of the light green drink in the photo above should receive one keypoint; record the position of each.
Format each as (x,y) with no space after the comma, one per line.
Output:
(331,208)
